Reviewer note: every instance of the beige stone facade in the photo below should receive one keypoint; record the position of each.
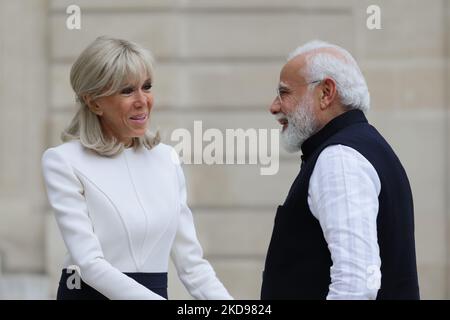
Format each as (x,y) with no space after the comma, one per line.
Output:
(218,61)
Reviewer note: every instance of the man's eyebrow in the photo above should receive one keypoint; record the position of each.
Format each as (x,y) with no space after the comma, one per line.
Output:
(283,86)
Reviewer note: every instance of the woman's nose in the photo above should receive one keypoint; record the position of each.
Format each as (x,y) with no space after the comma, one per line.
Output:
(141,98)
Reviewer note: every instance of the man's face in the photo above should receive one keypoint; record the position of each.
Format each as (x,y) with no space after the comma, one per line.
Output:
(294,107)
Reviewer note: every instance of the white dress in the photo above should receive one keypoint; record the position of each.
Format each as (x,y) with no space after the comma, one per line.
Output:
(126,213)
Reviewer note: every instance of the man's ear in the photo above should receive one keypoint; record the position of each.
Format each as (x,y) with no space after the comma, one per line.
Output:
(327,93)
(93,105)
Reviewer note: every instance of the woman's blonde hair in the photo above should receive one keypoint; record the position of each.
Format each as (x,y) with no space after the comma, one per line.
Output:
(103,69)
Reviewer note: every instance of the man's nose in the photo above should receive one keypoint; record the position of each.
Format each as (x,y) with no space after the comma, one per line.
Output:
(275,106)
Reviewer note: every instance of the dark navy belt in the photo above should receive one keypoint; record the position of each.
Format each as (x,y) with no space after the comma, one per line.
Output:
(69,290)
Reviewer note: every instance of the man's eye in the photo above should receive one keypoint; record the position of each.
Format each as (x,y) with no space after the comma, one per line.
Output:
(128,90)
(147,86)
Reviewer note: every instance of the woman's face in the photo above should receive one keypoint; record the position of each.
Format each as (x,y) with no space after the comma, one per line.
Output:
(125,114)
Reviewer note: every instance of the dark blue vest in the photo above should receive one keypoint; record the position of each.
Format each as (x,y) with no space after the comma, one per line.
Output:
(298,260)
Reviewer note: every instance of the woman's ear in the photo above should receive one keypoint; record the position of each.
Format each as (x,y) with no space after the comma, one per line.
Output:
(93,105)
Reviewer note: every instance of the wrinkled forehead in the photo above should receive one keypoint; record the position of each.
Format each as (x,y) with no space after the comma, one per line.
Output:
(293,71)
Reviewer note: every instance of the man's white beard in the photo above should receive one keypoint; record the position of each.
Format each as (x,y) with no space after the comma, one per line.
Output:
(301,125)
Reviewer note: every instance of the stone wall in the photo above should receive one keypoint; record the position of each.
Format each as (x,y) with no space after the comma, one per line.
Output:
(218,61)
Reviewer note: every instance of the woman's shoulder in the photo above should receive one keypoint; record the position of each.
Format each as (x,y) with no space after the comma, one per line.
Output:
(166,152)
(73,146)
(67,150)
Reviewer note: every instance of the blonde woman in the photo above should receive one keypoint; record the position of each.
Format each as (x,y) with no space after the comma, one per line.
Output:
(119,195)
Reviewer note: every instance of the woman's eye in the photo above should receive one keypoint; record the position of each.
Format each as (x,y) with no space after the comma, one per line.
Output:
(147,87)
(126,91)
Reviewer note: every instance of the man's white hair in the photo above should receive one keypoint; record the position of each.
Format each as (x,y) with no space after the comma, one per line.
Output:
(350,83)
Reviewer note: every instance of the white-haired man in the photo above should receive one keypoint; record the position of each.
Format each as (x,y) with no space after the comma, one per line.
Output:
(346,228)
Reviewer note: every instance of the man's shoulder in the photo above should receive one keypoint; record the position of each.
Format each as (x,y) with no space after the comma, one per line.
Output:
(340,151)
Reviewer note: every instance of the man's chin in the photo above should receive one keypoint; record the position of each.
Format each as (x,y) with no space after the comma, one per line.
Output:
(290,146)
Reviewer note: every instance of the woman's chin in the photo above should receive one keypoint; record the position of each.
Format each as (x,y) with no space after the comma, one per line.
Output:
(137,133)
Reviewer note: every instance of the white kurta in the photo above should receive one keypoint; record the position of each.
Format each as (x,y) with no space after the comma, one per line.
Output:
(126,213)
(343,195)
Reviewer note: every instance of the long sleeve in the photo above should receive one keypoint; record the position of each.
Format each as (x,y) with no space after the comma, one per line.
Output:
(194,271)
(343,196)
(66,196)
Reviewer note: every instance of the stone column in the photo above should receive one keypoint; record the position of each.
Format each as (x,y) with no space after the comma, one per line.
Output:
(446,9)
(23,105)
